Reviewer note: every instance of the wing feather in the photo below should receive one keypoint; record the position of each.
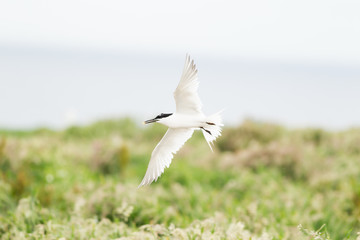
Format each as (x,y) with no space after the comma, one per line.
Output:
(163,153)
(186,96)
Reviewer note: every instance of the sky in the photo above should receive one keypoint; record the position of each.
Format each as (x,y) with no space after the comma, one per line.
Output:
(292,62)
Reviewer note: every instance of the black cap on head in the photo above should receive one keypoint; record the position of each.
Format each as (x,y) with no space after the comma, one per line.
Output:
(163,115)
(158,117)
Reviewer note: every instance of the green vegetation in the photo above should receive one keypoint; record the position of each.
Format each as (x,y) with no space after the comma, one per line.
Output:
(262,182)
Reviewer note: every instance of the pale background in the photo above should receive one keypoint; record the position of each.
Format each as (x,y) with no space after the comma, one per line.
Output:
(296,63)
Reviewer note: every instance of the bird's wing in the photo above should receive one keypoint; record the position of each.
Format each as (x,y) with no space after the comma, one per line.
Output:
(186,96)
(161,157)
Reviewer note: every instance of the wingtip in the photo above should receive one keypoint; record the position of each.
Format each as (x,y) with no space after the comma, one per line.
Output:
(140,185)
(145,182)
(188,58)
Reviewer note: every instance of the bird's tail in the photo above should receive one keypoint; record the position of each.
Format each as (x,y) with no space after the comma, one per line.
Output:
(212,128)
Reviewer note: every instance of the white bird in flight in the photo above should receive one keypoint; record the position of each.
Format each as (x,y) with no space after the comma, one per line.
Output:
(187,118)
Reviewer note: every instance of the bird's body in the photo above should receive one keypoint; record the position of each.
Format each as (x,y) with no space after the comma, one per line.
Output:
(179,120)
(187,118)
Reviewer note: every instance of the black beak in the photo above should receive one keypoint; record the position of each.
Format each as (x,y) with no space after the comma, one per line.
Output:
(150,121)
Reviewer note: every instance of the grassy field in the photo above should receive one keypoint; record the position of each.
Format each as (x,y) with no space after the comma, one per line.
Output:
(262,182)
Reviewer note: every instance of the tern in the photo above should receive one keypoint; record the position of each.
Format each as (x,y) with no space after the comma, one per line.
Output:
(187,118)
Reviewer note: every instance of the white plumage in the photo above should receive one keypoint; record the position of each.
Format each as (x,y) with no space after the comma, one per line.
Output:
(187,118)
(186,96)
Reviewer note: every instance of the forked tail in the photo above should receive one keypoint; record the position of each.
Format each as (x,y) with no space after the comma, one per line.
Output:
(212,128)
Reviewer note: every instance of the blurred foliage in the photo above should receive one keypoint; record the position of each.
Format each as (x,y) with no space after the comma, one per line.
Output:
(248,133)
(262,182)
(125,127)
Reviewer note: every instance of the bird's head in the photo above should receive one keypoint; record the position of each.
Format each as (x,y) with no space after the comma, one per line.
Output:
(158,118)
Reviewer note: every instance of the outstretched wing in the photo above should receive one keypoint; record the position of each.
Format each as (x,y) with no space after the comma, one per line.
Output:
(161,157)
(186,96)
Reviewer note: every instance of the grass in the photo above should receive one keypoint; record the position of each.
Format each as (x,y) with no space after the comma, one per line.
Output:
(262,182)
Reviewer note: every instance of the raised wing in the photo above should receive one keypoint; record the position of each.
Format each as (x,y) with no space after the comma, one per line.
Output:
(163,153)
(186,96)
